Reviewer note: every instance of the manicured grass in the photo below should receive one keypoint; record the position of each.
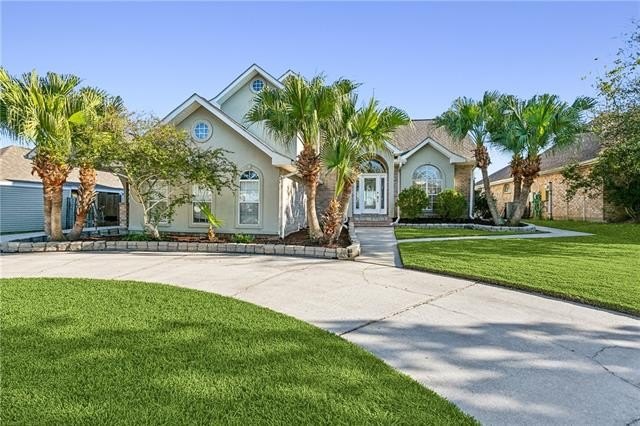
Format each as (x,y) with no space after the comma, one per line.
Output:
(107,352)
(405,232)
(602,270)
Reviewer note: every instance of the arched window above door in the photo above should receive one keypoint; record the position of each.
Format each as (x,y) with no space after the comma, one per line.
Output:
(373,166)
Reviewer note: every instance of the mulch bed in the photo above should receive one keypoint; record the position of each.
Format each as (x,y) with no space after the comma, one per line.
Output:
(299,238)
(434,220)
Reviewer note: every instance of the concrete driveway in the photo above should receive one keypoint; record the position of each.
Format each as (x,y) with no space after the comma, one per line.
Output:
(503,356)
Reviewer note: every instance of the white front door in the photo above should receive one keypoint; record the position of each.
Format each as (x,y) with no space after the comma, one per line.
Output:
(370,195)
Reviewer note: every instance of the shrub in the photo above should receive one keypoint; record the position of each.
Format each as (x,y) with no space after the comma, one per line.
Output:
(412,201)
(481,205)
(137,237)
(450,204)
(242,238)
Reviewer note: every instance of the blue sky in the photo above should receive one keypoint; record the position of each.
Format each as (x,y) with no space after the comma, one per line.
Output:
(417,55)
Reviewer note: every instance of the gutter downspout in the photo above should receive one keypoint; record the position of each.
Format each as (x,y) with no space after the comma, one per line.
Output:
(281,178)
(471,192)
(398,190)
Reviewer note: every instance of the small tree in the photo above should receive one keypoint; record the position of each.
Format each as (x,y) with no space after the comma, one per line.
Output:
(412,201)
(214,222)
(450,204)
(160,163)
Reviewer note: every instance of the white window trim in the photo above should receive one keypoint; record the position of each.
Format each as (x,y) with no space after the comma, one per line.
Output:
(260,199)
(193,224)
(193,131)
(253,81)
(442,179)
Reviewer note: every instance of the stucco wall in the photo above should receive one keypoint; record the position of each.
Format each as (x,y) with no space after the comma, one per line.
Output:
(225,205)
(238,105)
(427,155)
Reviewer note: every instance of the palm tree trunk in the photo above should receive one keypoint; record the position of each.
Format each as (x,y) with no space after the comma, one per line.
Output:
(530,170)
(309,168)
(482,162)
(345,196)
(56,213)
(86,197)
(47,209)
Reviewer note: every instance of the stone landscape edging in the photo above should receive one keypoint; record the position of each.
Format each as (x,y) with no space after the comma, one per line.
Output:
(492,228)
(346,253)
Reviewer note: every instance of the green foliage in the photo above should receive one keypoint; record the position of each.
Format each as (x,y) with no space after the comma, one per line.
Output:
(468,117)
(536,205)
(160,163)
(135,236)
(617,169)
(412,202)
(243,238)
(132,353)
(480,205)
(214,222)
(450,204)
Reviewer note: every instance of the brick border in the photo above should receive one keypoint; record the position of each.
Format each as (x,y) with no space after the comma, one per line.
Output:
(528,228)
(347,253)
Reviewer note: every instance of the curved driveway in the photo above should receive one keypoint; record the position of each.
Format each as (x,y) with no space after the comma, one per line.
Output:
(503,356)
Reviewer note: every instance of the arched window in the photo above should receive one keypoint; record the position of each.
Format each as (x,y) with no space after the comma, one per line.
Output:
(249,198)
(373,166)
(430,178)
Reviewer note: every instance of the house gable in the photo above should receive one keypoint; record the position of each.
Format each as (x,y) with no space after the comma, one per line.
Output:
(196,102)
(452,157)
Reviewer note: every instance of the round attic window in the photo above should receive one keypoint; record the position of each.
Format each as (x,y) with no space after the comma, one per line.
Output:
(257,85)
(201,130)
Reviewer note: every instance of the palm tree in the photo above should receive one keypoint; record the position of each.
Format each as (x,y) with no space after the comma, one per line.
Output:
(300,110)
(41,110)
(104,120)
(540,123)
(353,139)
(214,221)
(468,117)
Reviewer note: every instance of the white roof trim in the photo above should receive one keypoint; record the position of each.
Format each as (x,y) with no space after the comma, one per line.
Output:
(243,79)
(453,158)
(287,74)
(277,159)
(391,147)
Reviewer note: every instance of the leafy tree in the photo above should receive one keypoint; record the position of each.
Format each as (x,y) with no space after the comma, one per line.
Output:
(468,117)
(351,140)
(299,111)
(539,123)
(450,204)
(412,201)
(160,163)
(41,111)
(104,120)
(617,169)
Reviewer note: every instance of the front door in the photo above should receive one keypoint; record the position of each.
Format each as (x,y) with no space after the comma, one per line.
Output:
(370,194)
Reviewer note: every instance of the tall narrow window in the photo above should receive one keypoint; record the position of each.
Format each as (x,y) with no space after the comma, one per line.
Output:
(430,178)
(159,203)
(249,198)
(200,195)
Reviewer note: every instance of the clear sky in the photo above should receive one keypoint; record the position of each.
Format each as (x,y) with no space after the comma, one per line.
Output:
(418,56)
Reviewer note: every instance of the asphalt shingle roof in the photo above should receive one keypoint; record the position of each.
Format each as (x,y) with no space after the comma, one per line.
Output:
(15,167)
(587,148)
(407,137)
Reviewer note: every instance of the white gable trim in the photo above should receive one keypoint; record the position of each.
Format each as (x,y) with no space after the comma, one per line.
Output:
(277,159)
(453,158)
(243,79)
(287,74)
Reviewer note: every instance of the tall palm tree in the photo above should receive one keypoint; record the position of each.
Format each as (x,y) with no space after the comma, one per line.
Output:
(468,117)
(299,110)
(353,139)
(540,123)
(104,120)
(41,110)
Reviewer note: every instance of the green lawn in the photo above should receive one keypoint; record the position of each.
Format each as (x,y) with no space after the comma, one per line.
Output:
(107,352)
(405,232)
(602,270)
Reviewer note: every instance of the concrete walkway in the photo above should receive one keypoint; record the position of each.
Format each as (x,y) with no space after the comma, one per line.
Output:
(378,246)
(545,232)
(503,356)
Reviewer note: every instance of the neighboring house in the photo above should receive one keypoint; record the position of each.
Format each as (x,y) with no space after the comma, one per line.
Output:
(552,188)
(270,196)
(21,198)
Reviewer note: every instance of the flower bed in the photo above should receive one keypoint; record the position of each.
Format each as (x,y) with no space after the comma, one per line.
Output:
(98,244)
(525,228)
